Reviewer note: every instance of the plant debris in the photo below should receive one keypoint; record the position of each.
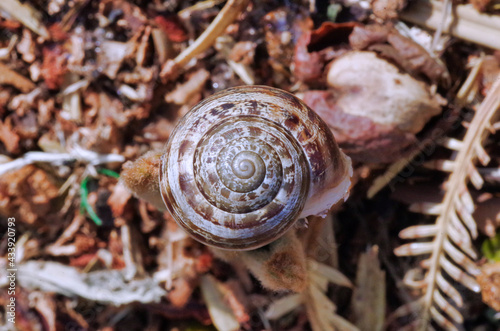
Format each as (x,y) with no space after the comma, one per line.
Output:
(91,90)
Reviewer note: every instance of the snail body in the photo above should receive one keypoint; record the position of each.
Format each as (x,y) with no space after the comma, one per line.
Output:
(244,164)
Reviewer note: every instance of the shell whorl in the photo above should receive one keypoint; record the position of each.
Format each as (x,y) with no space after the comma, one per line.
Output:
(239,167)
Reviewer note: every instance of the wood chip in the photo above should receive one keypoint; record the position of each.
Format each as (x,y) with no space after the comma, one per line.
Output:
(10,77)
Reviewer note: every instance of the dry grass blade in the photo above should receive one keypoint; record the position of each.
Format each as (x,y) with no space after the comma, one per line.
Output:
(332,275)
(283,306)
(451,248)
(391,172)
(25,14)
(321,311)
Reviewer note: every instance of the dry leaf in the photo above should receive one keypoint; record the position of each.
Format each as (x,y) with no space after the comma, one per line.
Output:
(222,315)
(369,301)
(489,280)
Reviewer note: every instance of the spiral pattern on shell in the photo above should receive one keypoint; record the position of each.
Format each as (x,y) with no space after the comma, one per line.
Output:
(238,168)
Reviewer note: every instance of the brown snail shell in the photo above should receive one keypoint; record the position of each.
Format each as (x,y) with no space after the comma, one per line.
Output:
(244,164)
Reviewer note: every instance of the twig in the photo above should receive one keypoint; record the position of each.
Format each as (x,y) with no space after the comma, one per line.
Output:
(225,17)
(76,154)
(468,23)
(201,5)
(394,169)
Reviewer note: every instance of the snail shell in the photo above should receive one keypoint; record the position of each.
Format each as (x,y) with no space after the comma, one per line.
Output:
(244,164)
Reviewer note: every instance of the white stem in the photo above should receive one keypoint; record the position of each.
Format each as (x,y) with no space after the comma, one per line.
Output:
(467,23)
(76,154)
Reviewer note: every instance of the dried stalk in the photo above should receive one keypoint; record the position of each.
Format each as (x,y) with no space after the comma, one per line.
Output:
(467,22)
(76,154)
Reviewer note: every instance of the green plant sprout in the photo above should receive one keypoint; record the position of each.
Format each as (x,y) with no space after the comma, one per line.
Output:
(84,192)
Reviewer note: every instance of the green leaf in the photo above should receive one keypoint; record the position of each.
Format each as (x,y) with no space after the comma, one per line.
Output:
(491,248)
(109,173)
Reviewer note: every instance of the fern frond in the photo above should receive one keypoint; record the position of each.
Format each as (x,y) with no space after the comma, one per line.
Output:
(451,251)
